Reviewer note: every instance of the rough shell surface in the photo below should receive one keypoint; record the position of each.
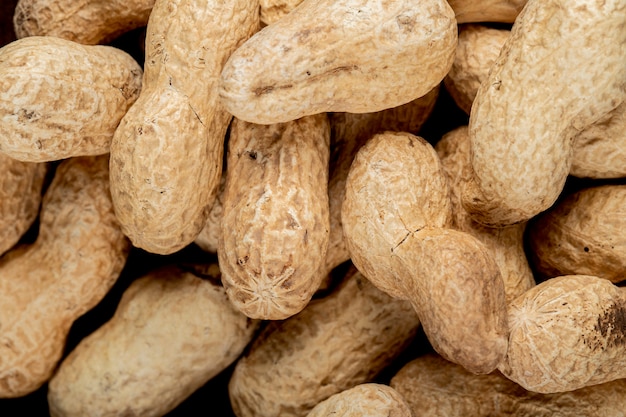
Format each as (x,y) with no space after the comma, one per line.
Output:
(21,185)
(478,48)
(171,333)
(275,225)
(208,238)
(60,99)
(567,333)
(560,71)
(438,388)
(44,287)
(273,10)
(371,400)
(583,234)
(504,11)
(350,131)
(166,155)
(395,187)
(506,244)
(335,343)
(87,22)
(353,56)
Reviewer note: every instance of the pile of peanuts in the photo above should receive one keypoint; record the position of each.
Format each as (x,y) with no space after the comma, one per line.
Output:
(256,202)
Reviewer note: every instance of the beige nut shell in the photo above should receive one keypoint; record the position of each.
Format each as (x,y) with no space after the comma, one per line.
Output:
(44,287)
(88,22)
(567,333)
(353,56)
(275,226)
(60,99)
(172,332)
(372,400)
(504,11)
(335,343)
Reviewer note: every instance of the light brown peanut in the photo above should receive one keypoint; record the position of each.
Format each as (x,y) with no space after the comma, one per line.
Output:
(44,287)
(372,400)
(171,333)
(166,155)
(504,11)
(60,99)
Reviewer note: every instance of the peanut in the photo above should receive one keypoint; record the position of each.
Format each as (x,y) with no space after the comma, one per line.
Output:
(505,11)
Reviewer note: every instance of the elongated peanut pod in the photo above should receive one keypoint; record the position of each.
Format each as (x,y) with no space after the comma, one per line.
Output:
(172,332)
(166,155)
(44,287)
(564,62)
(60,99)
(275,225)
(353,56)
(88,22)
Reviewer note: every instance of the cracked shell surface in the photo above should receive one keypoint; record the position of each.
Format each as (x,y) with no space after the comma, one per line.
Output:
(564,62)
(567,333)
(275,225)
(166,155)
(435,387)
(172,332)
(372,400)
(60,99)
(44,287)
(88,22)
(350,55)
(335,343)
(583,234)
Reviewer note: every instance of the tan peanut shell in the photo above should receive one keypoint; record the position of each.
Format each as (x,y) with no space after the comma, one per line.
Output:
(21,186)
(371,400)
(504,11)
(208,238)
(350,131)
(584,234)
(273,10)
(60,99)
(88,22)
(478,48)
(172,332)
(395,216)
(353,56)
(567,333)
(335,343)
(275,226)
(560,71)
(506,244)
(166,155)
(435,387)
(77,257)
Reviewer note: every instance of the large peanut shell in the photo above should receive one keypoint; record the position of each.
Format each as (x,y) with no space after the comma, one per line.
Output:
(372,400)
(44,287)
(275,226)
(506,244)
(166,155)
(87,22)
(584,234)
(352,56)
(435,387)
(560,71)
(21,186)
(567,333)
(172,332)
(60,99)
(504,11)
(335,343)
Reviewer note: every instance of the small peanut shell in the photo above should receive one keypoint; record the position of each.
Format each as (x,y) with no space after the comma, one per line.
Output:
(560,71)
(504,11)
(88,22)
(584,234)
(21,185)
(44,287)
(365,400)
(172,332)
(435,387)
(567,333)
(60,99)
(275,227)
(354,56)
(335,343)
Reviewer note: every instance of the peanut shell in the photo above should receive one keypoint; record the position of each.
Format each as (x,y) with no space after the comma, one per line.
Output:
(504,11)
(372,400)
